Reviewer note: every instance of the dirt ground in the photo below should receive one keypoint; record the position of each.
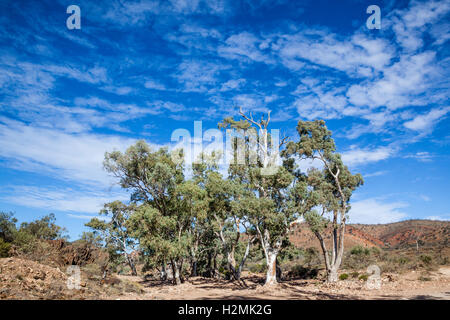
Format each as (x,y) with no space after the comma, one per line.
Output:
(25,279)
(406,286)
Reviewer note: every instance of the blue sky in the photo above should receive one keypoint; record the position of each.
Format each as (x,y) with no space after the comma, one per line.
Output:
(141,69)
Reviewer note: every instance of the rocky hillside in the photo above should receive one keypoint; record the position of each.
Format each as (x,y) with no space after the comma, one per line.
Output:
(392,235)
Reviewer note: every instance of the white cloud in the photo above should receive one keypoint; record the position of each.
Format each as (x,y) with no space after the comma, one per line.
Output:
(86,217)
(409,24)
(425,122)
(372,210)
(375,174)
(361,156)
(317,100)
(198,76)
(245,46)
(403,84)
(422,156)
(440,218)
(61,199)
(232,84)
(357,56)
(151,84)
(76,157)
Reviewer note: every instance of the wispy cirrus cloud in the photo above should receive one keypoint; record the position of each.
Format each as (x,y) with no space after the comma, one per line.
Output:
(425,122)
(61,199)
(73,157)
(356,156)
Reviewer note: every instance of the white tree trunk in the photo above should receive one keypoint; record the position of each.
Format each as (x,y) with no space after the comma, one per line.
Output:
(176,272)
(163,274)
(271,275)
(244,258)
(332,275)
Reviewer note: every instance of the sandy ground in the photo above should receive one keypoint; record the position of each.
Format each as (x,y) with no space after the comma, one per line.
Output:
(406,286)
(25,279)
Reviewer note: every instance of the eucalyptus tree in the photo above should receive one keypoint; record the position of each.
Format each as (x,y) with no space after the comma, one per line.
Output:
(268,204)
(228,219)
(162,237)
(224,215)
(192,209)
(115,232)
(152,178)
(203,236)
(330,189)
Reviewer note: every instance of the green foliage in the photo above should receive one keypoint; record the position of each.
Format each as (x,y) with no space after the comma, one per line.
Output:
(327,190)
(360,251)
(299,271)
(425,259)
(156,181)
(311,257)
(270,191)
(91,238)
(360,257)
(258,267)
(289,253)
(114,231)
(7,226)
(177,220)
(343,276)
(363,277)
(4,248)
(43,229)
(403,260)
(316,222)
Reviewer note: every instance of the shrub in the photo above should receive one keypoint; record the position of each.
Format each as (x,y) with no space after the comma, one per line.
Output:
(355,274)
(443,261)
(424,278)
(375,251)
(124,270)
(133,287)
(301,272)
(402,260)
(359,258)
(343,276)
(425,259)
(93,270)
(258,268)
(44,228)
(8,227)
(363,277)
(359,250)
(4,248)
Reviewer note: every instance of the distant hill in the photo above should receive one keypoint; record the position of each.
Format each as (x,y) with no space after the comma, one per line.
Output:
(430,233)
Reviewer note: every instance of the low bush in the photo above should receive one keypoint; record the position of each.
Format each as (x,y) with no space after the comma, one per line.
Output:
(301,272)
(359,251)
(363,277)
(258,268)
(425,259)
(4,248)
(343,276)
(424,277)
